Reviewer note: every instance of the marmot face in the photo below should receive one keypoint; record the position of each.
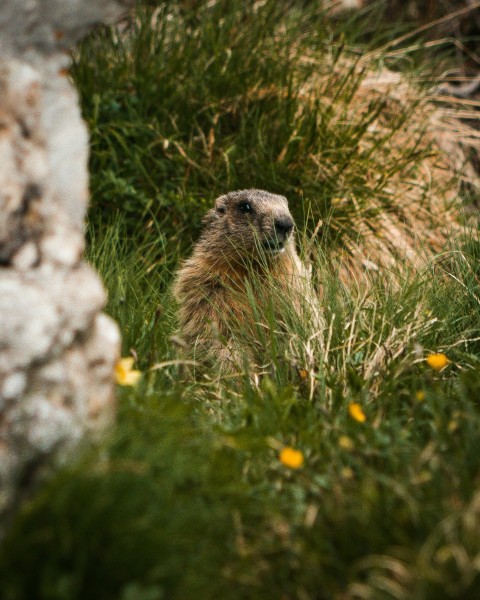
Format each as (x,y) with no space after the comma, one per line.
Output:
(252,221)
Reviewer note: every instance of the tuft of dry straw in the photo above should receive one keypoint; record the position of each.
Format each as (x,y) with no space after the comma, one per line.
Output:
(416,210)
(420,207)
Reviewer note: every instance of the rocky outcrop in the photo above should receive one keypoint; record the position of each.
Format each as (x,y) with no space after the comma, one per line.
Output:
(57,349)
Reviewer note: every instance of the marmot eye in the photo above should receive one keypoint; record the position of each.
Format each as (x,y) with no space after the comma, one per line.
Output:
(245,208)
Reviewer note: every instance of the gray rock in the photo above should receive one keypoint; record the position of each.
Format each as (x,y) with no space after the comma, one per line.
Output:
(57,350)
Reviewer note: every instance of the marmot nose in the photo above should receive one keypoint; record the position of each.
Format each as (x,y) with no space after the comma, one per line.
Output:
(283,225)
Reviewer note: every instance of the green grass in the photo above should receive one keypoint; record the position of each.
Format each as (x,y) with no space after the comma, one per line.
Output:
(189,103)
(186,496)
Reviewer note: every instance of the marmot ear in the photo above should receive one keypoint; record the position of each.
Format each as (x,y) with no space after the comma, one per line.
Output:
(220,207)
(210,217)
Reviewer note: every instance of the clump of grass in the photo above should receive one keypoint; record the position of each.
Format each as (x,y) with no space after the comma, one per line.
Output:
(185,104)
(134,268)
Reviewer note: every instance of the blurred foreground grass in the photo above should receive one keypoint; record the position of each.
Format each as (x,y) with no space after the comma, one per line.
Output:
(190,496)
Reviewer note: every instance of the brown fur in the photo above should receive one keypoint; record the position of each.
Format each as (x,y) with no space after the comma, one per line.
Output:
(238,251)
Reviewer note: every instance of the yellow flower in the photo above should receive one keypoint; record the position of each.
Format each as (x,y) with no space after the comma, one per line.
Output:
(124,374)
(303,373)
(420,395)
(347,473)
(437,361)
(423,477)
(291,458)
(356,412)
(452,426)
(345,442)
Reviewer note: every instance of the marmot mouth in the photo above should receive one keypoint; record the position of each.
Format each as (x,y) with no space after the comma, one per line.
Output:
(274,246)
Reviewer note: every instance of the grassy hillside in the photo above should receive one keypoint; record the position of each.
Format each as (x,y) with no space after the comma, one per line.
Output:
(192,494)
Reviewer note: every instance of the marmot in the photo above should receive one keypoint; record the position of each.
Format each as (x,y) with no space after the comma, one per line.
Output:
(245,252)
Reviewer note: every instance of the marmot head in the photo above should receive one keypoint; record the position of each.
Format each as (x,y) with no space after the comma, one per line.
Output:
(251,221)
